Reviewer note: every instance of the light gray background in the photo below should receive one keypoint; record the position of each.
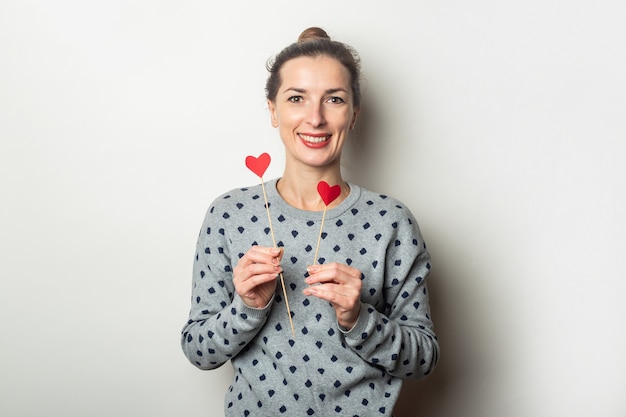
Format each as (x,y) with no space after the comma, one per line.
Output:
(500,123)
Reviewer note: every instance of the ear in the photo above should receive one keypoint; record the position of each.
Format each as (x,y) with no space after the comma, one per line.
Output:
(272,108)
(355,114)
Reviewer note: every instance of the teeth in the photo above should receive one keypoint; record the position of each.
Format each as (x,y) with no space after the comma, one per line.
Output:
(314,139)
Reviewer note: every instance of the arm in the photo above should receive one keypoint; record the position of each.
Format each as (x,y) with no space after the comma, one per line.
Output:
(401,339)
(220,323)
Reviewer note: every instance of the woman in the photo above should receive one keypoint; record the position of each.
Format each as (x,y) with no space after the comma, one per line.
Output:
(360,309)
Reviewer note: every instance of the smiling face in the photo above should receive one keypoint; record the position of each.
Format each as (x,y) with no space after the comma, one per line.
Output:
(313,110)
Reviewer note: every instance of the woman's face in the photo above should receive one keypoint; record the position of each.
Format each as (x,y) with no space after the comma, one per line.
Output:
(314,110)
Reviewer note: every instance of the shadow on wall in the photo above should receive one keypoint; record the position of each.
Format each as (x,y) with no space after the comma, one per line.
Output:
(363,152)
(459,384)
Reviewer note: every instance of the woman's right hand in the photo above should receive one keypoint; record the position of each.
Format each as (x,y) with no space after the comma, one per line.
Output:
(255,275)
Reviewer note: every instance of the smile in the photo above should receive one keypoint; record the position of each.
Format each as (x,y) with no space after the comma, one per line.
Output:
(314,139)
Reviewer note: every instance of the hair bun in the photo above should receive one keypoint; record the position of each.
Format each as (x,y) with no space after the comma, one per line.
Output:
(313,33)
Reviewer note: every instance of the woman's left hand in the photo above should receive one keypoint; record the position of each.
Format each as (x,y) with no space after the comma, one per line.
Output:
(340,285)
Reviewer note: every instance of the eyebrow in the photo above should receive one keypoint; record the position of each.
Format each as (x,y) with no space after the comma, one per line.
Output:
(329,91)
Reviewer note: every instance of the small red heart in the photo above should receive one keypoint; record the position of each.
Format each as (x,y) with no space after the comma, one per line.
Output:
(328,193)
(258,165)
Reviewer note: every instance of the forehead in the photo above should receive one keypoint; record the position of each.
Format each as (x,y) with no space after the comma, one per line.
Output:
(314,72)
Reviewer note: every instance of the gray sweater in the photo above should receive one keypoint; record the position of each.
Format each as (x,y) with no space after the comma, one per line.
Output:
(322,370)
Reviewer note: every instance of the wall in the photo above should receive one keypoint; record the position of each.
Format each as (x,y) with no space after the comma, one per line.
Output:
(501,124)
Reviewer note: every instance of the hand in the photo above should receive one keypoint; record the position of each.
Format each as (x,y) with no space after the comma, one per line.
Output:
(340,285)
(254,276)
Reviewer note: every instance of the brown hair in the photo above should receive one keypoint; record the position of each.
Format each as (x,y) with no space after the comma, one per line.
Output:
(313,42)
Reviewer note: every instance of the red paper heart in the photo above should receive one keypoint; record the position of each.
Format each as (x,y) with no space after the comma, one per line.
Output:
(258,165)
(328,193)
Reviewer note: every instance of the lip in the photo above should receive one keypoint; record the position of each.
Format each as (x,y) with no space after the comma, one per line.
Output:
(315,140)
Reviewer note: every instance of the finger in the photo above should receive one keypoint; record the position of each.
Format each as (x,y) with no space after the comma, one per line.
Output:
(247,286)
(260,254)
(341,295)
(249,272)
(338,273)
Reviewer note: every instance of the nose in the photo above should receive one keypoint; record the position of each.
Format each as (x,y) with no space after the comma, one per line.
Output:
(316,115)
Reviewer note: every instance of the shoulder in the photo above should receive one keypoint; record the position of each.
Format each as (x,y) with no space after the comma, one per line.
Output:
(377,202)
(235,203)
(383,210)
(238,197)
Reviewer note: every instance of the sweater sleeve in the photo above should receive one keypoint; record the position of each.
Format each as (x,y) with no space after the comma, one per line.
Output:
(220,324)
(401,338)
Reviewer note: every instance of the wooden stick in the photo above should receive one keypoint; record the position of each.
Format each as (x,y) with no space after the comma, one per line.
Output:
(320,236)
(282,280)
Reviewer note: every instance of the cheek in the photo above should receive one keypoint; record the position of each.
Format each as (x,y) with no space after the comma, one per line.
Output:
(288,119)
(343,120)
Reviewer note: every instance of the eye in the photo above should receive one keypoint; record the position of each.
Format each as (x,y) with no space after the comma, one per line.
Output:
(335,100)
(295,99)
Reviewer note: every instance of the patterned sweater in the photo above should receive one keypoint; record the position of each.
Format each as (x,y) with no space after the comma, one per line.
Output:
(322,370)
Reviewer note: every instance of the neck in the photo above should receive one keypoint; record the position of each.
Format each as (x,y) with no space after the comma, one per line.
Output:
(302,192)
